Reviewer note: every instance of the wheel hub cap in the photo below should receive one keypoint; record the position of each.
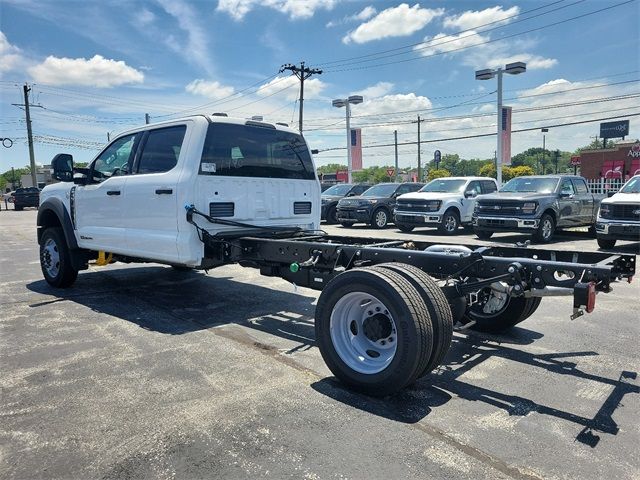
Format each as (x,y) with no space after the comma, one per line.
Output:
(51,258)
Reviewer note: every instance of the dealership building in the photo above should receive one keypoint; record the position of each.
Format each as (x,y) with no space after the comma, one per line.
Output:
(609,168)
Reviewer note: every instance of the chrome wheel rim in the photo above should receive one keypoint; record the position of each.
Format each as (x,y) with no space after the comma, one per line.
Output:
(546,229)
(381,218)
(51,258)
(363,333)
(450,223)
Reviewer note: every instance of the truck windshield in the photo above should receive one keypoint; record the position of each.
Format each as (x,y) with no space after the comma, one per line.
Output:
(338,190)
(444,186)
(528,184)
(382,190)
(632,186)
(253,151)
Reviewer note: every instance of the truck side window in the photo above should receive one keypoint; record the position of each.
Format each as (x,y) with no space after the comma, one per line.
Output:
(161,150)
(474,186)
(114,160)
(567,187)
(488,187)
(581,187)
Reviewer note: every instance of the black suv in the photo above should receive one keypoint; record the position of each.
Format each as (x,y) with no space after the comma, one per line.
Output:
(375,206)
(26,197)
(332,195)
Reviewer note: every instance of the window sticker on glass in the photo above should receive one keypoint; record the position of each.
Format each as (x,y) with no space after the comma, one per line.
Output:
(209,167)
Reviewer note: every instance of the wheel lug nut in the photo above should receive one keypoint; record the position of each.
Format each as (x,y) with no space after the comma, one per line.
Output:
(377,309)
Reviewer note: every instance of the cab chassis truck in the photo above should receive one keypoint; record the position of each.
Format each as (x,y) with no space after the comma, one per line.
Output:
(387,308)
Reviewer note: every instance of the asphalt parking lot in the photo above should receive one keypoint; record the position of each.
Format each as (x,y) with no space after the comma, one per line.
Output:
(140,371)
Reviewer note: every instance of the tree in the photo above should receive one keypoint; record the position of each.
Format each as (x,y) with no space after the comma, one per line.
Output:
(439,173)
(331,168)
(488,170)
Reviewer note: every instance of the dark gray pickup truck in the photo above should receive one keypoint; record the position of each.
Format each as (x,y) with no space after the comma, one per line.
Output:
(536,205)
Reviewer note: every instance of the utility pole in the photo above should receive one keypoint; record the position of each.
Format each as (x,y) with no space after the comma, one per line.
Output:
(147,118)
(32,159)
(395,139)
(419,158)
(557,154)
(302,73)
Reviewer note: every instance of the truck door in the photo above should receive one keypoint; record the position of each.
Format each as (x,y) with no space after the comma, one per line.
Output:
(586,216)
(468,203)
(150,196)
(569,204)
(97,207)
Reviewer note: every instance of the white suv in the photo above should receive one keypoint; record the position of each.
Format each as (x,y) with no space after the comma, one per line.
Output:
(619,215)
(446,203)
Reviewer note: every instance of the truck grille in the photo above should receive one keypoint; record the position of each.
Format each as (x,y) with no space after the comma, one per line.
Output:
(221,209)
(301,208)
(504,208)
(625,212)
(416,205)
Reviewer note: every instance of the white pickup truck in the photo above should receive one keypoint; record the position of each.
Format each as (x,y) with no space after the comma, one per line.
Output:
(207,190)
(619,215)
(446,203)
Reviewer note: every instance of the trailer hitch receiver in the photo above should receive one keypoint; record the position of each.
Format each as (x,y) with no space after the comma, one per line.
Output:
(584,296)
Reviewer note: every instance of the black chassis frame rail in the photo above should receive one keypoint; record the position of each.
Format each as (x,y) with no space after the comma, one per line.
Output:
(312,260)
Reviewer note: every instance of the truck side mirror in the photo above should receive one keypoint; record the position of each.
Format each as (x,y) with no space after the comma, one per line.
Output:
(470,194)
(62,166)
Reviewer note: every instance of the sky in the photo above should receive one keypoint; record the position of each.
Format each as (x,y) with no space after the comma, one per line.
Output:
(95,68)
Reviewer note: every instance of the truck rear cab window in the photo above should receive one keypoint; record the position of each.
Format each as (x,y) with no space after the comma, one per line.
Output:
(488,186)
(251,151)
(161,149)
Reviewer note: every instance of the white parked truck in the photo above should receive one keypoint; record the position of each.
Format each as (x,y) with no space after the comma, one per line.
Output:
(206,191)
(619,215)
(446,203)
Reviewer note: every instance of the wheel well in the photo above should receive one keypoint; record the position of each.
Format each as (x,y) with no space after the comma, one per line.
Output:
(552,213)
(454,208)
(47,219)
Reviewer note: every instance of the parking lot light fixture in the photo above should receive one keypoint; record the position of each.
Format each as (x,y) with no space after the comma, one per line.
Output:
(345,102)
(514,68)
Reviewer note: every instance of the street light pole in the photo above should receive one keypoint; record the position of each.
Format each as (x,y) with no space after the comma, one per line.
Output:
(486,74)
(345,102)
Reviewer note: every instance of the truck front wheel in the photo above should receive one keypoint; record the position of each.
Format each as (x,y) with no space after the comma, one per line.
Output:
(373,330)
(483,234)
(405,228)
(546,229)
(450,222)
(606,242)
(55,259)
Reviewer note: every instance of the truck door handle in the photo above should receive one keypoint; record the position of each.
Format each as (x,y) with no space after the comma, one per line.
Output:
(164,191)
(113,192)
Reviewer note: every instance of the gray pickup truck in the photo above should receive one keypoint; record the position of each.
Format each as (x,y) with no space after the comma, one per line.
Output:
(536,205)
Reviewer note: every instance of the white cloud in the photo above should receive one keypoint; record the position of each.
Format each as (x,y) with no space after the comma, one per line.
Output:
(443,43)
(145,17)
(296,9)
(96,72)
(214,90)
(10,55)
(399,21)
(473,19)
(378,90)
(393,103)
(365,14)
(196,47)
(289,86)
(534,62)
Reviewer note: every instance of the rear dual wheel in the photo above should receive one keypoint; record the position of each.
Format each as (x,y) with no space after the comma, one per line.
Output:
(375,328)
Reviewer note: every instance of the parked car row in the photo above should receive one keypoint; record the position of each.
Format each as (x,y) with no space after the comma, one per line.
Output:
(536,205)
(23,197)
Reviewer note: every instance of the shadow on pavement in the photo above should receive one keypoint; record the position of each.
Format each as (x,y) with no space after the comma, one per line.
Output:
(172,302)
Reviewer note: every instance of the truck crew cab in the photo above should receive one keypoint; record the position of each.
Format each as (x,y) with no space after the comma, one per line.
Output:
(446,203)
(206,191)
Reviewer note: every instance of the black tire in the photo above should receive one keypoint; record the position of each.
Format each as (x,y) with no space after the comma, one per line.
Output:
(546,229)
(483,234)
(437,305)
(331,218)
(380,218)
(402,302)
(405,228)
(468,228)
(606,242)
(55,260)
(18,208)
(515,310)
(450,222)
(181,268)
(347,224)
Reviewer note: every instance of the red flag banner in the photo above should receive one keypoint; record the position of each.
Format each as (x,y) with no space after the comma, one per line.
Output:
(506,135)
(356,149)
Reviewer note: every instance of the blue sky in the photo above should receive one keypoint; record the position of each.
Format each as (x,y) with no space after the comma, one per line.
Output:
(97,67)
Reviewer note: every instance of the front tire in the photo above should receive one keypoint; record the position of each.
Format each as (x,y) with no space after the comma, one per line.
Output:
(606,243)
(55,259)
(450,223)
(373,330)
(546,229)
(380,218)
(347,224)
(483,234)
(331,216)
